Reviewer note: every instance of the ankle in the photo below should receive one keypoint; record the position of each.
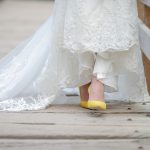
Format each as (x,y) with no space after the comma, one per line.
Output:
(84,92)
(96,90)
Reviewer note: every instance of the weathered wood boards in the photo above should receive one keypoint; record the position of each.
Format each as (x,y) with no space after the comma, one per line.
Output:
(75,144)
(122,126)
(130,144)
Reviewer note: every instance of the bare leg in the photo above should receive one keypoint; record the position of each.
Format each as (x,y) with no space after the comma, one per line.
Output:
(84,92)
(96,90)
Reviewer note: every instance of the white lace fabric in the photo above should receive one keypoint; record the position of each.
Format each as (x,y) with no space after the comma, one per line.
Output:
(61,54)
(100,25)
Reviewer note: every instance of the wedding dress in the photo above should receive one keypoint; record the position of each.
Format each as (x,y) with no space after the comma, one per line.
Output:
(62,51)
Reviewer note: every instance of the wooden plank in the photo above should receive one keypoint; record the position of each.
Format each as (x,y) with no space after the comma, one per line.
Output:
(145,46)
(57,126)
(143,9)
(146,62)
(60,131)
(131,144)
(72,125)
(118,107)
(91,118)
(147,16)
(144,15)
(73,122)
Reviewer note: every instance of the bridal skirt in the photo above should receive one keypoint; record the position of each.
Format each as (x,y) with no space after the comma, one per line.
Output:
(80,39)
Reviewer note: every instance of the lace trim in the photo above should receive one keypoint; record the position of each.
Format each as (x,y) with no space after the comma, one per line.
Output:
(26,103)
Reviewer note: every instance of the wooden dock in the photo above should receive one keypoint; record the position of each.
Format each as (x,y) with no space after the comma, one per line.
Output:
(122,126)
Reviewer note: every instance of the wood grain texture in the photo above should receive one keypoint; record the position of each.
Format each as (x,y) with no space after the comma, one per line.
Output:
(71,127)
(72,121)
(122,126)
(131,144)
(146,62)
(123,144)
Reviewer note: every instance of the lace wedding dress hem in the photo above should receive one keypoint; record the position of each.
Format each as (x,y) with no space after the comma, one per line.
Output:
(80,39)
